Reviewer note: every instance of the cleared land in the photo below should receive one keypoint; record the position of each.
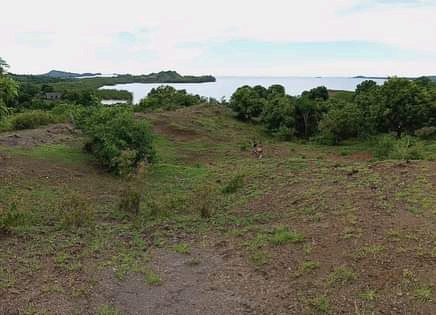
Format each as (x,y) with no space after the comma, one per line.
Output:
(304,230)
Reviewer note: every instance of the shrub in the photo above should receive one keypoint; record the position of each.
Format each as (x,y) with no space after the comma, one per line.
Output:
(116,139)
(405,148)
(32,119)
(4,111)
(167,98)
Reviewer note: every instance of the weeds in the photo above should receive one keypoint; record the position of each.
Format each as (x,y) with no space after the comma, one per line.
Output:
(130,201)
(106,309)
(76,212)
(340,277)
(236,183)
(321,304)
(152,278)
(368,295)
(182,248)
(424,294)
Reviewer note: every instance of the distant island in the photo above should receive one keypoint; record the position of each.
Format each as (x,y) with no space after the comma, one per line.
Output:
(96,80)
(68,75)
(431,77)
(369,78)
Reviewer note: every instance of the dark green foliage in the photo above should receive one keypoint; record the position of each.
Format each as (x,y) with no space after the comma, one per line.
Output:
(116,139)
(248,102)
(342,121)
(167,97)
(81,97)
(278,115)
(406,105)
(308,113)
(32,119)
(319,93)
(114,95)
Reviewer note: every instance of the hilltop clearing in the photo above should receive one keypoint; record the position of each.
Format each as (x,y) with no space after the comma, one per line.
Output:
(306,229)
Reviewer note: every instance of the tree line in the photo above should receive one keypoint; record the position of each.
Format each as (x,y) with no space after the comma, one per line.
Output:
(400,106)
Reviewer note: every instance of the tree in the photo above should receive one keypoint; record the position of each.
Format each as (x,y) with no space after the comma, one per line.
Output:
(319,93)
(247,103)
(3,66)
(276,90)
(368,98)
(167,97)
(278,116)
(307,115)
(8,89)
(342,121)
(407,106)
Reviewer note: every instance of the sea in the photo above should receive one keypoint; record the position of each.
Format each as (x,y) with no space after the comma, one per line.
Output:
(225,86)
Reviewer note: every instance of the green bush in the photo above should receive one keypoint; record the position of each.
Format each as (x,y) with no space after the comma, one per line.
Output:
(32,119)
(117,140)
(168,98)
(405,148)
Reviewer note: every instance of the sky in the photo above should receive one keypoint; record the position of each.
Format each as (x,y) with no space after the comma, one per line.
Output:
(224,37)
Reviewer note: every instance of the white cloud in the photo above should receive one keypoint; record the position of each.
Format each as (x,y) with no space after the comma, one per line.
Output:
(37,36)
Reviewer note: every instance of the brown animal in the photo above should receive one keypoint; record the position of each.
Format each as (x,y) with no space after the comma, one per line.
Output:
(257,150)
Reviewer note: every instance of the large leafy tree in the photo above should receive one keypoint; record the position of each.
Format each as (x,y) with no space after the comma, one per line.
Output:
(319,93)
(343,120)
(278,115)
(8,89)
(308,113)
(247,102)
(407,105)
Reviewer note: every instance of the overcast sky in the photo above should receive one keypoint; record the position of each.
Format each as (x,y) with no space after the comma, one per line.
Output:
(221,37)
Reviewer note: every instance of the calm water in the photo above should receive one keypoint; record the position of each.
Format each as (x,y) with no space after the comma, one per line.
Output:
(225,86)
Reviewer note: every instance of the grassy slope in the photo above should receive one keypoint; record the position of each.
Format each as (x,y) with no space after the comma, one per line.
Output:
(331,229)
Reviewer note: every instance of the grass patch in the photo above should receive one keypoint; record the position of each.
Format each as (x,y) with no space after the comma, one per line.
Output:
(368,295)
(308,266)
(259,258)
(341,276)
(182,248)
(106,309)
(71,155)
(424,294)
(321,304)
(368,250)
(283,235)
(152,278)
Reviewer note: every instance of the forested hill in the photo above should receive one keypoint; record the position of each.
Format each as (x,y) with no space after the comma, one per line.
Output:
(67,75)
(431,77)
(97,82)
